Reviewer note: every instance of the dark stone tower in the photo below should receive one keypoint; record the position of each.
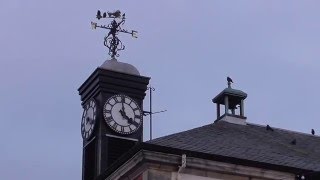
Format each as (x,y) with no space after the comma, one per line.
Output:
(112,98)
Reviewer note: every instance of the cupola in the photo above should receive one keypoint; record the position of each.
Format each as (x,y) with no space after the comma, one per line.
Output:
(233,102)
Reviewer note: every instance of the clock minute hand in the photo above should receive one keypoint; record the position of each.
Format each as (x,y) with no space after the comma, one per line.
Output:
(122,102)
(123,108)
(123,114)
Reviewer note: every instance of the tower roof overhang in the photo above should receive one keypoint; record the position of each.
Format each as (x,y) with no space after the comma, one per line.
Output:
(236,96)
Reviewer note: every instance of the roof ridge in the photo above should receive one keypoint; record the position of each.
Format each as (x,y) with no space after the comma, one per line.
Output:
(296,149)
(278,142)
(177,133)
(286,130)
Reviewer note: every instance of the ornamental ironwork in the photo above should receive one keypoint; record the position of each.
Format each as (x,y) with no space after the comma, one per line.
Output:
(111,40)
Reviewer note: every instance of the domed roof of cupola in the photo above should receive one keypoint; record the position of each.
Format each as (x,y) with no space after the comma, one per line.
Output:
(115,65)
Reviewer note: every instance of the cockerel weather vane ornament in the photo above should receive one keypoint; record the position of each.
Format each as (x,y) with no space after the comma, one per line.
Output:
(111,40)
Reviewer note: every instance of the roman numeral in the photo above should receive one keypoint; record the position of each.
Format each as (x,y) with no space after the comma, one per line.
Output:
(135,109)
(129,101)
(117,99)
(115,125)
(135,123)
(123,99)
(130,128)
(109,119)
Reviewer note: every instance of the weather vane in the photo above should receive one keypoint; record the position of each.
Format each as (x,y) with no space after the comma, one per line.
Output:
(111,40)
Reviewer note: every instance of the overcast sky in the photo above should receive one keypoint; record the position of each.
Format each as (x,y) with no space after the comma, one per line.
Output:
(270,48)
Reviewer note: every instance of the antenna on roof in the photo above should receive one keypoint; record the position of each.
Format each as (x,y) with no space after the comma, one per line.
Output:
(146,113)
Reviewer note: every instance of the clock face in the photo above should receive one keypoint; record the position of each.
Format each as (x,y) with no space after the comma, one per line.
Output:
(88,119)
(122,114)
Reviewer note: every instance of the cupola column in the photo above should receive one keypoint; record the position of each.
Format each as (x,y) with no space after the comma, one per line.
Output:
(218,110)
(241,108)
(226,104)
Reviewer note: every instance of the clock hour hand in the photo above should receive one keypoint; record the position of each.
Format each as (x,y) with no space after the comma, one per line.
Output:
(89,120)
(131,121)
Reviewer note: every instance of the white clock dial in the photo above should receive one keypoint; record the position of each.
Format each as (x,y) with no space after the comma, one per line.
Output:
(122,114)
(88,119)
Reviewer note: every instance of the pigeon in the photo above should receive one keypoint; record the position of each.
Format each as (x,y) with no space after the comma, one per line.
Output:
(293,142)
(268,128)
(116,14)
(229,80)
(104,15)
(312,131)
(99,15)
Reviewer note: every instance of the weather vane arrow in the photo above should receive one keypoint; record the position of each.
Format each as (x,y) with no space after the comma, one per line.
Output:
(111,40)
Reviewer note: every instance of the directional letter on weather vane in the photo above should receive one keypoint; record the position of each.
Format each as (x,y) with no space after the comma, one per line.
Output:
(111,40)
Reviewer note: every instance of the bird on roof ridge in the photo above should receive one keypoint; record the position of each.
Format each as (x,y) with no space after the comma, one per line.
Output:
(312,131)
(268,128)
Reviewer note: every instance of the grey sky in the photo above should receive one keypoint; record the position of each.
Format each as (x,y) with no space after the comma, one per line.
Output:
(270,48)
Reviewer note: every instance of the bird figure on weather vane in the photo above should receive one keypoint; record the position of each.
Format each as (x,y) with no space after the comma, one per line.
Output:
(111,40)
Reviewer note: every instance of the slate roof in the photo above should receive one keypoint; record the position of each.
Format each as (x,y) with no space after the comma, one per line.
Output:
(249,142)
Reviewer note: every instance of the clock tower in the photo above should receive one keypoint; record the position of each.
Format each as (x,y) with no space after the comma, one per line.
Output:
(111,124)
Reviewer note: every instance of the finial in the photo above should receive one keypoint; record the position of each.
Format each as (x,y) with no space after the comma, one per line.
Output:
(229,82)
(111,40)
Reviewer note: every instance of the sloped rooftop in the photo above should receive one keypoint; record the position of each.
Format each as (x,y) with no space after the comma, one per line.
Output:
(249,142)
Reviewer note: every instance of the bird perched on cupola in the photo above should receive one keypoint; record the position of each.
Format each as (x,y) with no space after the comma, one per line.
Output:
(229,81)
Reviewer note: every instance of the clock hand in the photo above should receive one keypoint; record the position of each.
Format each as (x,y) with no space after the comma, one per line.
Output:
(122,101)
(89,120)
(122,113)
(131,121)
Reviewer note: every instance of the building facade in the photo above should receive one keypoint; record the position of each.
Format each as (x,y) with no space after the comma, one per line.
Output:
(228,149)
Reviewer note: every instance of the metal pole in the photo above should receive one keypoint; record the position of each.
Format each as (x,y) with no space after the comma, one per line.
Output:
(150,110)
